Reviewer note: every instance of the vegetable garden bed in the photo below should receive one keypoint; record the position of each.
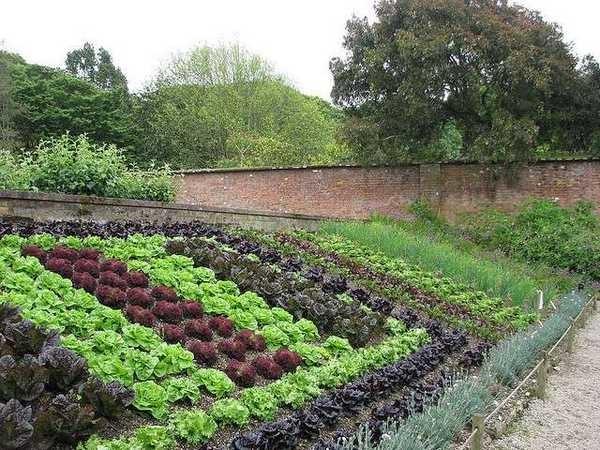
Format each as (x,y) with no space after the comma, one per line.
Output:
(131,336)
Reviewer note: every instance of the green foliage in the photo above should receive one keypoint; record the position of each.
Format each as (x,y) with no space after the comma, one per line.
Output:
(14,173)
(275,337)
(153,438)
(232,109)
(542,232)
(10,139)
(182,388)
(395,326)
(398,241)
(151,397)
(173,359)
(145,438)
(312,355)
(52,102)
(95,67)
(336,345)
(213,380)
(260,403)
(230,411)
(194,427)
(431,80)
(78,166)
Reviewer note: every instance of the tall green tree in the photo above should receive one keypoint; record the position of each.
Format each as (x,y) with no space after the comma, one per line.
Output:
(52,102)
(97,67)
(9,109)
(226,106)
(497,73)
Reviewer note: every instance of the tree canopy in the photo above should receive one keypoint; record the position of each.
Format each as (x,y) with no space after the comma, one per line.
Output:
(52,102)
(492,79)
(226,106)
(96,67)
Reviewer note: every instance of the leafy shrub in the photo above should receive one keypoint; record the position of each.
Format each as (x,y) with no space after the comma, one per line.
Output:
(542,231)
(14,174)
(78,166)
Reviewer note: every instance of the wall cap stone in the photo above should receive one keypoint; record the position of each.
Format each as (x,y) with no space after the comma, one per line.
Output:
(106,201)
(372,166)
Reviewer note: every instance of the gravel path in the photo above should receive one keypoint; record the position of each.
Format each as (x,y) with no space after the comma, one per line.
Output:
(570,416)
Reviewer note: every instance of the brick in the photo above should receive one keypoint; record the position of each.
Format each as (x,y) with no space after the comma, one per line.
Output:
(354,192)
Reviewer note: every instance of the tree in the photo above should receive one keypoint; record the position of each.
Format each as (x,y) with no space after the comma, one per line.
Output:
(9,109)
(52,102)
(498,73)
(95,67)
(226,106)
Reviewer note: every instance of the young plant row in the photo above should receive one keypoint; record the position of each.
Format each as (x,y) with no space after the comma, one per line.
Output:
(350,401)
(477,302)
(292,391)
(387,286)
(47,396)
(333,314)
(243,242)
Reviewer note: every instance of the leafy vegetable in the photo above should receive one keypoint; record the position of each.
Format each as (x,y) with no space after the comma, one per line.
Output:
(274,337)
(230,411)
(214,381)
(260,403)
(16,424)
(195,427)
(110,400)
(179,388)
(151,397)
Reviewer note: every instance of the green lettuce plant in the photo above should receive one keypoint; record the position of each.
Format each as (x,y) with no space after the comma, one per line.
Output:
(151,397)
(214,381)
(260,403)
(194,427)
(180,388)
(230,412)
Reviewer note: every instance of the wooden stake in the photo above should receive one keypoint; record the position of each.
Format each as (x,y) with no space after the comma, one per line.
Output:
(479,428)
(571,337)
(542,376)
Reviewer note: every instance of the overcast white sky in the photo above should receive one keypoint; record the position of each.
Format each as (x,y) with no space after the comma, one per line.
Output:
(298,37)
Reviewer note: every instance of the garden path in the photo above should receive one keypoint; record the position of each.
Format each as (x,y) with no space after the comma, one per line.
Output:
(570,416)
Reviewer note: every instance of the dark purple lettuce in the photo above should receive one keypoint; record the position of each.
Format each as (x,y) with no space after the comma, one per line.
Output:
(26,338)
(109,400)
(65,368)
(16,425)
(8,313)
(22,380)
(66,421)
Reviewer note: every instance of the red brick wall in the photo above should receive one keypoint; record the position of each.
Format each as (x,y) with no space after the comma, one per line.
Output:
(353,192)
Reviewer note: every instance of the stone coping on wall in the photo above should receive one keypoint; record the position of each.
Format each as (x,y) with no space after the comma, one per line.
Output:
(371,166)
(109,201)
(52,206)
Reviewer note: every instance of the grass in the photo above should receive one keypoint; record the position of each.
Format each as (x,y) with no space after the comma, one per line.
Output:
(501,279)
